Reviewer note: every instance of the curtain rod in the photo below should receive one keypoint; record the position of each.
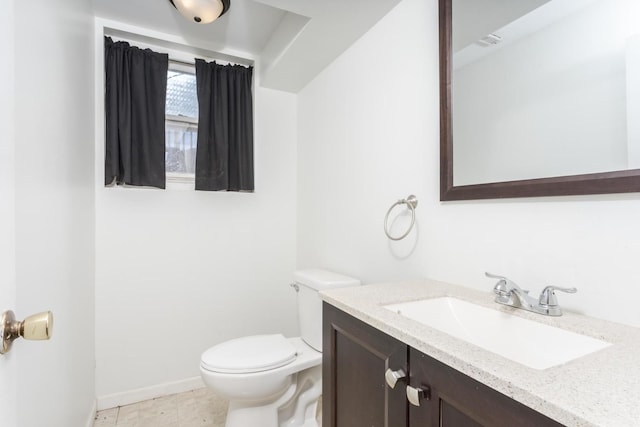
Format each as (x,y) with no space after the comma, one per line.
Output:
(177,61)
(150,43)
(192,64)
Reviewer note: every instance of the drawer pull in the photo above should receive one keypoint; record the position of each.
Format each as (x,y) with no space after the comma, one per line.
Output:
(392,377)
(415,395)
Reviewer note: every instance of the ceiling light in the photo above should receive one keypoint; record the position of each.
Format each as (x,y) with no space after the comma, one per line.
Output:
(201,11)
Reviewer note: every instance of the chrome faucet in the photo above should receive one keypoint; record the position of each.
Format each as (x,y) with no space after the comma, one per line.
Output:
(508,293)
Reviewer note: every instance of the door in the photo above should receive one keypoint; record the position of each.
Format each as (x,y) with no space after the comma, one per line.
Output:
(355,358)
(46,209)
(7,209)
(455,399)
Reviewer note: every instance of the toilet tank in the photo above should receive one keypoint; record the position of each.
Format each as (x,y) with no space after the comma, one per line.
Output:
(310,282)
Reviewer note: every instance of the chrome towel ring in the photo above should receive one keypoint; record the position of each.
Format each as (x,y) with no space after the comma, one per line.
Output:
(412,203)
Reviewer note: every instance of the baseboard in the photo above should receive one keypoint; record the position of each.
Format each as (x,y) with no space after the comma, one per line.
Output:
(92,415)
(147,393)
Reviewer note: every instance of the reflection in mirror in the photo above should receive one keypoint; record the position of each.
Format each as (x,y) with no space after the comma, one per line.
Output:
(540,89)
(544,88)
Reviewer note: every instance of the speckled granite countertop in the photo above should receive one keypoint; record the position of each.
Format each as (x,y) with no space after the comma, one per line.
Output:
(599,389)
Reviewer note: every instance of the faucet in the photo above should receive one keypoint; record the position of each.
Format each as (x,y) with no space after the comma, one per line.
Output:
(509,293)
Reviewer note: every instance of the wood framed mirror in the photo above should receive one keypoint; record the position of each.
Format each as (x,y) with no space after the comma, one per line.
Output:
(610,177)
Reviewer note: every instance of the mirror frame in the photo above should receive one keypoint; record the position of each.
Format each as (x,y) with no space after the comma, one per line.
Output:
(624,181)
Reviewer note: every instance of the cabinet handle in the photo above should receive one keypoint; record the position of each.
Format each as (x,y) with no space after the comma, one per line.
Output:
(392,377)
(416,394)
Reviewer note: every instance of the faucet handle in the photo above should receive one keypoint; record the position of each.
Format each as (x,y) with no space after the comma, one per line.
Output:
(494,276)
(501,287)
(548,296)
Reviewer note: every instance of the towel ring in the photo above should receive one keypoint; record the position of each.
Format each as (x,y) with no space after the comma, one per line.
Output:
(412,203)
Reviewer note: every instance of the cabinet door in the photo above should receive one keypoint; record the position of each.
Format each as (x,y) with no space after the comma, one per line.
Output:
(355,357)
(457,400)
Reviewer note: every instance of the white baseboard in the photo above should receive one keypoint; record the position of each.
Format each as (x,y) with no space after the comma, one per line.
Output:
(92,415)
(147,393)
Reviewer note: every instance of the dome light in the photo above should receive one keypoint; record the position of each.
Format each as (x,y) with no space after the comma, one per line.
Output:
(201,11)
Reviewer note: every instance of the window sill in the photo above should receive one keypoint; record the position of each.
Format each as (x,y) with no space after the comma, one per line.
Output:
(180,181)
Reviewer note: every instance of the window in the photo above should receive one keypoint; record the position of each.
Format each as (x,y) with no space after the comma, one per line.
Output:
(181,128)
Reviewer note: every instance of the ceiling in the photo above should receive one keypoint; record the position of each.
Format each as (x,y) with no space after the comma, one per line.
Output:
(510,23)
(293,40)
(474,19)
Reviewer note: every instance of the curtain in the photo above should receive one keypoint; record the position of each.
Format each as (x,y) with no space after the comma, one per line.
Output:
(135,96)
(224,156)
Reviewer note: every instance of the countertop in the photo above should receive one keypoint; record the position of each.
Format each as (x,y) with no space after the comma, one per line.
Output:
(599,389)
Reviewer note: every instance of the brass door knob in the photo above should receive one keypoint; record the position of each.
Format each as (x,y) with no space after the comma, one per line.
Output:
(35,327)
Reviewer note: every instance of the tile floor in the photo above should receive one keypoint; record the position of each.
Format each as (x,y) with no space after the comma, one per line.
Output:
(196,408)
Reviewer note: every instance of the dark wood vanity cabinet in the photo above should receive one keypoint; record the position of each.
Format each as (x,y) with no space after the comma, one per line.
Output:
(355,393)
(457,400)
(355,357)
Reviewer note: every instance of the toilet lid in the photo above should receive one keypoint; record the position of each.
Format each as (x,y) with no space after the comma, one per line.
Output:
(249,354)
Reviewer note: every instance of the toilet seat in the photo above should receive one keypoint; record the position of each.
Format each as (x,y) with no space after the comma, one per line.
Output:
(249,354)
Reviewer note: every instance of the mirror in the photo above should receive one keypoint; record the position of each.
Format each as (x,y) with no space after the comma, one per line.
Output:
(539,98)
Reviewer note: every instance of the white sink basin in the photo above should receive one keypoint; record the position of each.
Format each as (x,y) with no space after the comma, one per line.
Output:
(530,343)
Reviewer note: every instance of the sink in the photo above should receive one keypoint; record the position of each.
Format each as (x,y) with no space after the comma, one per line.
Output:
(524,341)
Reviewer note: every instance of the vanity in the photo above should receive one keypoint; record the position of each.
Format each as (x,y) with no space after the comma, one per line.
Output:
(382,368)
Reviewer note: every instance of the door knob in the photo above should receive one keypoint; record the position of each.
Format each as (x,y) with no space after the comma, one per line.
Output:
(392,377)
(35,327)
(416,394)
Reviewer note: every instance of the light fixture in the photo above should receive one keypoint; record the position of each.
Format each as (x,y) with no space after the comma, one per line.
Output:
(201,11)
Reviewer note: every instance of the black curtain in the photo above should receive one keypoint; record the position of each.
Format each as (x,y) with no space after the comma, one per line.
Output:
(135,96)
(224,157)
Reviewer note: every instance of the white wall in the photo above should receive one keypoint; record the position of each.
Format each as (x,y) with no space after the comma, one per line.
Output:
(369,134)
(54,196)
(179,271)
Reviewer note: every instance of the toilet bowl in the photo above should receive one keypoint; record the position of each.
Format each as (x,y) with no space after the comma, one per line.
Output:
(256,391)
(270,380)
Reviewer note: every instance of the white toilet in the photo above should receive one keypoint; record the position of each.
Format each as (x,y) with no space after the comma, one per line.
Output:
(270,380)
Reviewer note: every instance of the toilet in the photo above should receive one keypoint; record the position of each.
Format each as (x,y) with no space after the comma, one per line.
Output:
(270,380)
